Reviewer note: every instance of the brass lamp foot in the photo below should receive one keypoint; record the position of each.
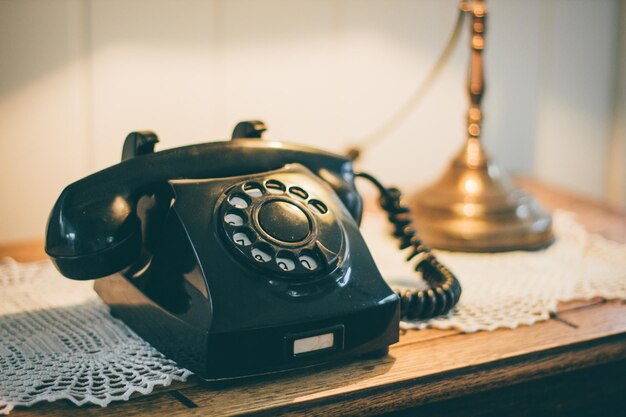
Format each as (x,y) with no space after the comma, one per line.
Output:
(475,207)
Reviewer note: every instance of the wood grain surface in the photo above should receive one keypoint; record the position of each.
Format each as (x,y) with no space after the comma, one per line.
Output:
(426,368)
(419,370)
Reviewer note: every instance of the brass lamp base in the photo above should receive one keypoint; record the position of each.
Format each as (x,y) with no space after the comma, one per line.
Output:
(474,207)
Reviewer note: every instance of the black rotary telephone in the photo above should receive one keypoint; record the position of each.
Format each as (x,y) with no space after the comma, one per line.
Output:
(242,257)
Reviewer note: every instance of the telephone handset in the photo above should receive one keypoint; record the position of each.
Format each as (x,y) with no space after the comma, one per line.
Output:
(240,258)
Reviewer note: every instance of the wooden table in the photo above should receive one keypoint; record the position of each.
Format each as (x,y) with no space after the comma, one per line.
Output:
(572,364)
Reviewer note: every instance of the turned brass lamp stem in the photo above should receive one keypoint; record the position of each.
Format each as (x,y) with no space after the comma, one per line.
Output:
(476,80)
(476,83)
(474,206)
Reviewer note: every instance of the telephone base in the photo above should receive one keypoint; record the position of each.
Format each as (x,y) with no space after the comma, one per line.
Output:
(218,357)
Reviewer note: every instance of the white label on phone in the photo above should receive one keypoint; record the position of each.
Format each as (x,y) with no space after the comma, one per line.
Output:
(313,343)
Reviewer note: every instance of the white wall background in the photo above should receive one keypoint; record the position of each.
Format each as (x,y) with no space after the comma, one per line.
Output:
(77,76)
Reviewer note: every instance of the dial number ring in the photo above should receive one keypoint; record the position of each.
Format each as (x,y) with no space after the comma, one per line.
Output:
(293,258)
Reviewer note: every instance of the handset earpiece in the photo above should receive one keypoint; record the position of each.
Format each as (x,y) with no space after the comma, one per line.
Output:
(92,233)
(88,241)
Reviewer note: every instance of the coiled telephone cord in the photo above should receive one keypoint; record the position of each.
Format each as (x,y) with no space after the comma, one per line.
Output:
(444,288)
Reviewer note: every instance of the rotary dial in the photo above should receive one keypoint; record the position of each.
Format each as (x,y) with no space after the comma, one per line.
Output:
(281,228)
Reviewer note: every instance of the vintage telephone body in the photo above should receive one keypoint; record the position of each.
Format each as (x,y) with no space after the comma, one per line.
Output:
(237,258)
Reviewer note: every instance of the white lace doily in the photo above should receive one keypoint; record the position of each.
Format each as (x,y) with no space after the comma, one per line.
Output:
(514,288)
(58,340)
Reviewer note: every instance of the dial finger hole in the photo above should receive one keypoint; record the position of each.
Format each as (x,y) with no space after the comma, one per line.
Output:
(275,187)
(299,192)
(253,189)
(240,201)
(308,260)
(286,261)
(243,237)
(318,206)
(235,218)
(262,252)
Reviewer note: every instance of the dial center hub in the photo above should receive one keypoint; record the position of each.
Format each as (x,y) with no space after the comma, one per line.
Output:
(284,221)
